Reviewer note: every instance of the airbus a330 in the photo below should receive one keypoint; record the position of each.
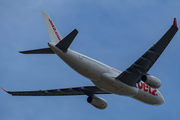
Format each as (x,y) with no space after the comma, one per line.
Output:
(134,82)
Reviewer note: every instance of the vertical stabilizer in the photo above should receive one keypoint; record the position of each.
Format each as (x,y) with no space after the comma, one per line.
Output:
(52,30)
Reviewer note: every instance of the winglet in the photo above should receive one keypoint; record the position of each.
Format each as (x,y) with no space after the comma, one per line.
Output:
(175,22)
(3,89)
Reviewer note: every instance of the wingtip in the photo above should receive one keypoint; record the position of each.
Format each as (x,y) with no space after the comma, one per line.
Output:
(22,52)
(3,89)
(175,22)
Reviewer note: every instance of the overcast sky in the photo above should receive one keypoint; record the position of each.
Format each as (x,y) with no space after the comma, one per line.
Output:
(114,32)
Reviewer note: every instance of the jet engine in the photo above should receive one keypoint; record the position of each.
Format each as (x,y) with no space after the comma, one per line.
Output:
(151,81)
(97,102)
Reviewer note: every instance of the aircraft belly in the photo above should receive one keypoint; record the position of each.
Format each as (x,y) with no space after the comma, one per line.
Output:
(110,84)
(82,65)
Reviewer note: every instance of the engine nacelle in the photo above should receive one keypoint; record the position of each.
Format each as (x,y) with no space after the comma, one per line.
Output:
(97,102)
(151,81)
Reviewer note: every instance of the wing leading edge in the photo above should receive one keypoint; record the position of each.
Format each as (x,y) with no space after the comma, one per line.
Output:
(86,90)
(133,74)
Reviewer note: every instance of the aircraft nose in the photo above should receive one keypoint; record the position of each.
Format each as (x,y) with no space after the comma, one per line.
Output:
(160,99)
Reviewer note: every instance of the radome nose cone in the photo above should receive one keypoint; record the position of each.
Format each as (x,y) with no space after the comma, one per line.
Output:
(160,100)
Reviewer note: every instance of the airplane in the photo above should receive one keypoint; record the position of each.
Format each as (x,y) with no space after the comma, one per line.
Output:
(134,82)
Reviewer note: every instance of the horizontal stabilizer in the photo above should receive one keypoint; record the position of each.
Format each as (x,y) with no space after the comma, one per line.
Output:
(39,51)
(66,42)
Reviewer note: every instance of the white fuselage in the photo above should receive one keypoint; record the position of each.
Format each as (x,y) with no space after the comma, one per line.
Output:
(103,76)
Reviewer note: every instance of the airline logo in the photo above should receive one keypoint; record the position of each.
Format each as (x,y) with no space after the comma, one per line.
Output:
(146,88)
(54,28)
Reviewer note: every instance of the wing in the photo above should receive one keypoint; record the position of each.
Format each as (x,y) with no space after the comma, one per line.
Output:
(133,74)
(86,90)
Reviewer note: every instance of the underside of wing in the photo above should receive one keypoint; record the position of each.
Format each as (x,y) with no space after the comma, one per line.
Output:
(133,74)
(86,90)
